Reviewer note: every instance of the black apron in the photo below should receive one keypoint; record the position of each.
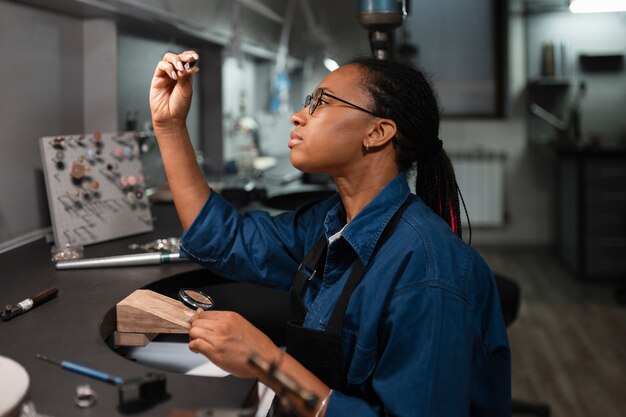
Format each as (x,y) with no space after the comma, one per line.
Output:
(320,351)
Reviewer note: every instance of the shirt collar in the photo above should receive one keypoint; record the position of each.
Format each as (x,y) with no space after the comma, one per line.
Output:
(365,229)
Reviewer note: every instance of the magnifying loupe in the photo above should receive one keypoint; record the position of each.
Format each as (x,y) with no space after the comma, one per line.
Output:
(195,299)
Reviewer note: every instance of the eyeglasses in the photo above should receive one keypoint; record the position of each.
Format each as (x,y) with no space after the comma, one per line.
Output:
(312,101)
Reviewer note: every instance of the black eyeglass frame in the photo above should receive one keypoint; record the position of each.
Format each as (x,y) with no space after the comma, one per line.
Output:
(313,100)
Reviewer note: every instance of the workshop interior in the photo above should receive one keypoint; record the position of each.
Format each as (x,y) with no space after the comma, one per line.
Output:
(97,297)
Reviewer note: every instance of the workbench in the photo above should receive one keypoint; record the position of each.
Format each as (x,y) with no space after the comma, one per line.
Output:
(76,325)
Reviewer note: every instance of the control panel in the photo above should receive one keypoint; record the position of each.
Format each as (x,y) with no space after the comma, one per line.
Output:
(96,187)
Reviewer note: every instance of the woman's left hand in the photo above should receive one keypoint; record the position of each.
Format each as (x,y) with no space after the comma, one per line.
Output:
(228,339)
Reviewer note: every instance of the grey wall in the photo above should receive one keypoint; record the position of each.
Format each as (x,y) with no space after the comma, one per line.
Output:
(41,93)
(100,75)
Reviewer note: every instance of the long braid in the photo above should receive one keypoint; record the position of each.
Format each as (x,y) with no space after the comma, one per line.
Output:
(435,183)
(402,93)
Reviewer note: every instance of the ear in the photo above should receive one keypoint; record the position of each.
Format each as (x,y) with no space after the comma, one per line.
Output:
(381,133)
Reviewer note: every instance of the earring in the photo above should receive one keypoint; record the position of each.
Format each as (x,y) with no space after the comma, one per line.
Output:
(367,147)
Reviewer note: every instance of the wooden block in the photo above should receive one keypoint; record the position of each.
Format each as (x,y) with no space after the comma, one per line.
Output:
(148,312)
(132,339)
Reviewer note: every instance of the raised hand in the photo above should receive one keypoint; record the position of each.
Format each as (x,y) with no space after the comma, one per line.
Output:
(171,89)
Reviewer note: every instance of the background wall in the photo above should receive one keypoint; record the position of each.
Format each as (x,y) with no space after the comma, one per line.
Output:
(41,94)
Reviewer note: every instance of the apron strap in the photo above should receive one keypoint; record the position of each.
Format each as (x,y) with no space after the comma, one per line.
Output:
(335,324)
(312,264)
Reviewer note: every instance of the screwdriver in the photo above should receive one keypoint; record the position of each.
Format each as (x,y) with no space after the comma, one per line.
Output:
(83,370)
(12,310)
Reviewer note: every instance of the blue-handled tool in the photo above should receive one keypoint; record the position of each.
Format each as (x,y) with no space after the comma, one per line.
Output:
(79,369)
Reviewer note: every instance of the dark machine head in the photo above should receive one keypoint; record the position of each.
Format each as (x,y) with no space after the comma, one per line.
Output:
(380,18)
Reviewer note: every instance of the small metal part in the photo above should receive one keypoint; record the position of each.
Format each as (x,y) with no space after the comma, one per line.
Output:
(10,311)
(77,171)
(97,136)
(129,152)
(65,204)
(85,397)
(89,232)
(58,157)
(169,245)
(189,65)
(109,204)
(81,235)
(130,198)
(118,152)
(71,251)
(92,153)
(29,410)
(148,220)
(89,222)
(58,142)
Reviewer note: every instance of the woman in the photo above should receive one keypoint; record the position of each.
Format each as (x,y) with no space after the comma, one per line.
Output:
(392,314)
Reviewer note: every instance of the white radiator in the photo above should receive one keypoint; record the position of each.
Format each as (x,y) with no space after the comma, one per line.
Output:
(480,176)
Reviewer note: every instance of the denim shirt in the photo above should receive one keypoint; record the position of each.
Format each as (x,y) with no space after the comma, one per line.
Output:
(423,331)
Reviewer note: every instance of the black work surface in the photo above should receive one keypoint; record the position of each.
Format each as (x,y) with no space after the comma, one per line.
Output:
(68,328)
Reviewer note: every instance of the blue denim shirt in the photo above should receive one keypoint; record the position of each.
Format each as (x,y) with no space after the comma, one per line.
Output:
(423,332)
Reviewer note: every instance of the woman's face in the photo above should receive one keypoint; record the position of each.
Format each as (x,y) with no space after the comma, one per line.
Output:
(332,138)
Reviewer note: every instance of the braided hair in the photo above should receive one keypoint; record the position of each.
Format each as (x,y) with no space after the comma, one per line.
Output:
(402,93)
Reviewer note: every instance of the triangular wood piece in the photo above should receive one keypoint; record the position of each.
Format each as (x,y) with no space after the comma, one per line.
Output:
(146,311)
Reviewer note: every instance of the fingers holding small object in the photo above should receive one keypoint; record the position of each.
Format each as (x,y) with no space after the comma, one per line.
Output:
(176,66)
(190,59)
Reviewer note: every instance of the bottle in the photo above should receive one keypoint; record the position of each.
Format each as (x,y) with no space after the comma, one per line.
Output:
(547,59)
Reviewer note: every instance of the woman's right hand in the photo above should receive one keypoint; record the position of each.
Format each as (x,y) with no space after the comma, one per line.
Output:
(171,89)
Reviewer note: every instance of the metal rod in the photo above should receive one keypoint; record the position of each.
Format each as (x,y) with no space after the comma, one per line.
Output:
(152,258)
